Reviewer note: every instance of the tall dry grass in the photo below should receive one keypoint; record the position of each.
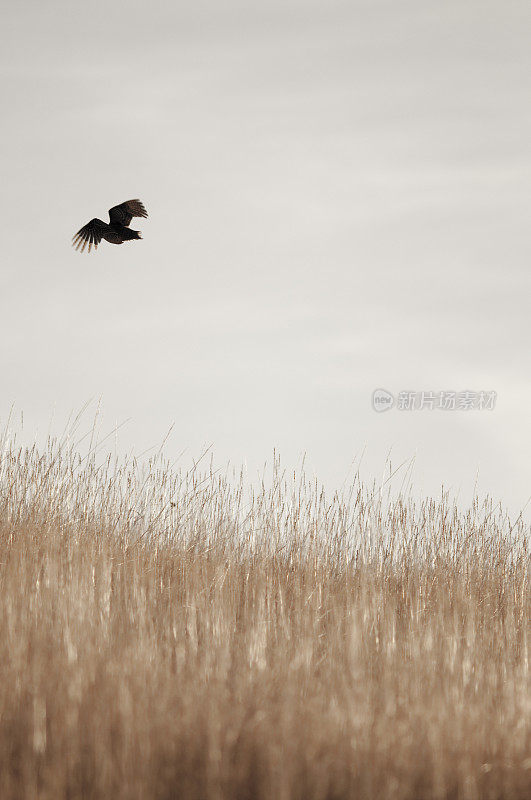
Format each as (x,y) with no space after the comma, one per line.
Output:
(167,635)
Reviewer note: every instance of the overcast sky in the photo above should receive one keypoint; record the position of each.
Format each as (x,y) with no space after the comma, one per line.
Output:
(339,201)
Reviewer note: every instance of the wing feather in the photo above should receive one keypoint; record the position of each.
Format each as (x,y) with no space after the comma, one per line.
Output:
(124,213)
(90,234)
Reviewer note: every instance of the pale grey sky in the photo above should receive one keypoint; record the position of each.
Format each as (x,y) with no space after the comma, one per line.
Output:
(338,196)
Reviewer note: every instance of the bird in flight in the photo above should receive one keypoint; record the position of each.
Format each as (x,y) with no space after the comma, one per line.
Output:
(116,232)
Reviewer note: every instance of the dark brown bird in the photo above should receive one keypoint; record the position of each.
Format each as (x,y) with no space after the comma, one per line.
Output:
(116,232)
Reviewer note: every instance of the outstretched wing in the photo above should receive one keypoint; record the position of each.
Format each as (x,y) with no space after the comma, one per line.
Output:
(90,234)
(124,213)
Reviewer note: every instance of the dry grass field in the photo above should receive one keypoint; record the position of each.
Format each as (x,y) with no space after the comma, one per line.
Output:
(169,635)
